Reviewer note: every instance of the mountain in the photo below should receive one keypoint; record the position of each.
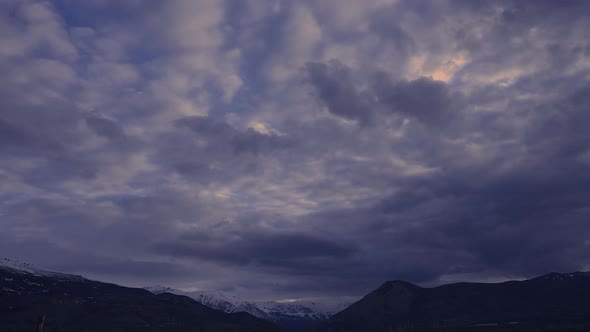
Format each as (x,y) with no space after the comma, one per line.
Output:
(215,300)
(555,299)
(292,314)
(73,303)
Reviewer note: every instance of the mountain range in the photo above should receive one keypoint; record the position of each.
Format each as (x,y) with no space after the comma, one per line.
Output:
(63,302)
(291,314)
(30,297)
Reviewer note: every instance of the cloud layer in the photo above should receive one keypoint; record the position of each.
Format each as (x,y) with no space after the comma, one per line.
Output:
(284,149)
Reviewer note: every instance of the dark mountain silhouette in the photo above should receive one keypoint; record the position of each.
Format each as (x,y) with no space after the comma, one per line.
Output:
(30,297)
(73,303)
(554,300)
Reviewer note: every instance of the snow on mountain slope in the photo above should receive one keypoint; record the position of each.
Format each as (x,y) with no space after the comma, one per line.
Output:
(269,310)
(292,310)
(215,300)
(301,309)
(26,268)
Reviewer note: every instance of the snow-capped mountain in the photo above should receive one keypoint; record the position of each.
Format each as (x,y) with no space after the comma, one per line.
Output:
(269,310)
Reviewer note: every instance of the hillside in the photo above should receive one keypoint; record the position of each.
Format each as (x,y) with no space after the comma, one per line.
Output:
(550,300)
(73,303)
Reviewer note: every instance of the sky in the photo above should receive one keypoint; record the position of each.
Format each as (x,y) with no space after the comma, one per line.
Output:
(291,149)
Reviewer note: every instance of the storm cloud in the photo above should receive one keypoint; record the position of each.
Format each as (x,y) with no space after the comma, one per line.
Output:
(290,149)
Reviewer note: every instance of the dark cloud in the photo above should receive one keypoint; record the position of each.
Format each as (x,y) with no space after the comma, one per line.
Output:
(428,101)
(203,125)
(431,102)
(13,136)
(255,142)
(336,90)
(15,140)
(56,161)
(259,248)
(220,135)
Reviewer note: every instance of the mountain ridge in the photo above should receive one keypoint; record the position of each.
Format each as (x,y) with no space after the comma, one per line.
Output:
(553,298)
(283,313)
(72,303)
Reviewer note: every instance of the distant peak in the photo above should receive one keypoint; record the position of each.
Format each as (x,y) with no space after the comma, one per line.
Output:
(396,284)
(400,283)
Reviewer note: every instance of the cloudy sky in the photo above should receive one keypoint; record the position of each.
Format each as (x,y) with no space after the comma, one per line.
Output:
(288,149)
